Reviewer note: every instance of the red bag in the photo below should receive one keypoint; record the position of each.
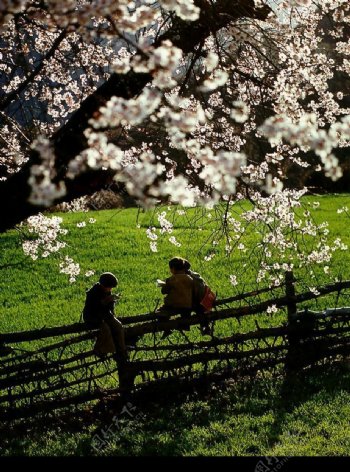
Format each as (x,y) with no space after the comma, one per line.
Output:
(208,300)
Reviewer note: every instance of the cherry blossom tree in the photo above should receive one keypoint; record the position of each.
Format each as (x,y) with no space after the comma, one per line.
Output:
(192,102)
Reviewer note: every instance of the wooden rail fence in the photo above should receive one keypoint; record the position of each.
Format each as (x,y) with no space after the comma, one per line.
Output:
(37,376)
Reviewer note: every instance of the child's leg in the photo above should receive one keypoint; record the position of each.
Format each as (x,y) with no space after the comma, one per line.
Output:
(118,334)
(164,313)
(204,322)
(185,315)
(104,342)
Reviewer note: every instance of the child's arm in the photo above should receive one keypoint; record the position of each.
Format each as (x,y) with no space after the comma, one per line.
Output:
(111,299)
(165,288)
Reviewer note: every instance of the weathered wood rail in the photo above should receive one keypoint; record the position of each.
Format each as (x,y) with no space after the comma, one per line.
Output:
(41,378)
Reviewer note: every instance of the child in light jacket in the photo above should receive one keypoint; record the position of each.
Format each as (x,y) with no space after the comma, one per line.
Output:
(178,291)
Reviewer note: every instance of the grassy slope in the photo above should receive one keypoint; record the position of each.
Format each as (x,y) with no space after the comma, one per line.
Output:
(243,420)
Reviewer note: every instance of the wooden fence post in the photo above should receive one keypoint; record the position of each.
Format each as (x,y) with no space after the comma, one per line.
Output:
(125,371)
(126,375)
(293,337)
(301,347)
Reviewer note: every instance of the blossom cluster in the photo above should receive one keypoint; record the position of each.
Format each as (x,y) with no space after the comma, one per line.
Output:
(306,135)
(43,234)
(44,190)
(71,268)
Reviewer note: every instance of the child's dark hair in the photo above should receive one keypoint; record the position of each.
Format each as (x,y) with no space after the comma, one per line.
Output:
(107,279)
(178,263)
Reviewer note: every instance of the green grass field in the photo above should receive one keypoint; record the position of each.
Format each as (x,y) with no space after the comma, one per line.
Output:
(244,419)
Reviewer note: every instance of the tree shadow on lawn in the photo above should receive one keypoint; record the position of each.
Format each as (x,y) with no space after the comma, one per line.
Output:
(245,417)
(319,384)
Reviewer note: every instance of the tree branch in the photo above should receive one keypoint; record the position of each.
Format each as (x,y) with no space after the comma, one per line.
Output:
(15,93)
(70,140)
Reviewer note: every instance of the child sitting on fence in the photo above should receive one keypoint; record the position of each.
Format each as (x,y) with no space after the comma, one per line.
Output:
(98,312)
(178,291)
(186,291)
(202,297)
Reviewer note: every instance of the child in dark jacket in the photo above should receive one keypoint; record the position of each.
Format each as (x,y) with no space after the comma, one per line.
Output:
(99,309)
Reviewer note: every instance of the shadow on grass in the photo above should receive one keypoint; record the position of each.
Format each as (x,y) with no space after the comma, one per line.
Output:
(228,418)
